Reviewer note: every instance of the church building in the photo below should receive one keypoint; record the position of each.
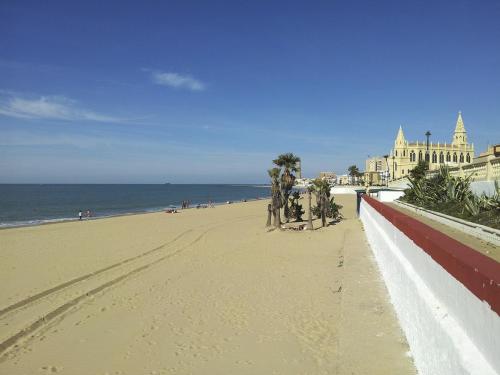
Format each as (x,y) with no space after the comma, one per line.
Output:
(406,155)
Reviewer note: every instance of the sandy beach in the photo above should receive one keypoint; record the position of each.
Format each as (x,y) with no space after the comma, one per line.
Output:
(208,291)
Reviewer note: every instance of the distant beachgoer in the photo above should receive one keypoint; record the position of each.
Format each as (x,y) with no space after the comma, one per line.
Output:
(88,214)
(80,215)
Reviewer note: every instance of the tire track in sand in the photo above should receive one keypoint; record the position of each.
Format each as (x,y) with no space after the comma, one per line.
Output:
(59,311)
(20,304)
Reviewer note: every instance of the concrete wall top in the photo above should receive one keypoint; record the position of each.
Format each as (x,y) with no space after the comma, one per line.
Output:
(477,272)
(343,190)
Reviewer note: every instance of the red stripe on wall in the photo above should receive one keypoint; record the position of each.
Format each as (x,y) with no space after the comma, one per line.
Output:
(480,274)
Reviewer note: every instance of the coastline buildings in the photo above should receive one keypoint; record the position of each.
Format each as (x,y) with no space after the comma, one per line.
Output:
(405,155)
(343,179)
(331,177)
(299,170)
(376,170)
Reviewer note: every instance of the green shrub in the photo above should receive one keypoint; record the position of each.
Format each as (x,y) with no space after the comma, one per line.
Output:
(453,196)
(333,211)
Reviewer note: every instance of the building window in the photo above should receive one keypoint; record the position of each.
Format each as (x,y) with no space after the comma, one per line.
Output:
(467,158)
(448,156)
(404,152)
(396,152)
(434,157)
(420,156)
(461,157)
(412,155)
(403,171)
(454,157)
(395,166)
(441,157)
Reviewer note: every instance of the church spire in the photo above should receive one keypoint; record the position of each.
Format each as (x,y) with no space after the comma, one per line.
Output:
(460,135)
(400,138)
(459,127)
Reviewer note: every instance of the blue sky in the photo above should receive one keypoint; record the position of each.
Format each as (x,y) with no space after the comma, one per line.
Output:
(210,91)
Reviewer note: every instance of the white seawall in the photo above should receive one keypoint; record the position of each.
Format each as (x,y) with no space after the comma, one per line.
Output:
(449,329)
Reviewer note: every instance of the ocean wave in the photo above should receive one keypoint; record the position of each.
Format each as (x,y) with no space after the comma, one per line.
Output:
(29,223)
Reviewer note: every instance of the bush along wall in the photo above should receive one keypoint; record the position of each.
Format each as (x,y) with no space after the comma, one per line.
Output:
(453,196)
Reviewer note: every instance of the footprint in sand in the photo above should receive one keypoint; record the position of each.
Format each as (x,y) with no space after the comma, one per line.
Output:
(51,369)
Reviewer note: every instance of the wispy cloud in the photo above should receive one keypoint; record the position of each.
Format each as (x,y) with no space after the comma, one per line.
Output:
(176,80)
(50,108)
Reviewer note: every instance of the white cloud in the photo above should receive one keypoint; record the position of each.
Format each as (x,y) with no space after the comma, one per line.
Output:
(50,108)
(178,81)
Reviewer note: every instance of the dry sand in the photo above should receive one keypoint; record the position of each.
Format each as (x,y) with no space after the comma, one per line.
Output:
(207,291)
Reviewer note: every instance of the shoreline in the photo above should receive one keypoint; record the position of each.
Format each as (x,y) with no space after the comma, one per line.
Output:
(39,222)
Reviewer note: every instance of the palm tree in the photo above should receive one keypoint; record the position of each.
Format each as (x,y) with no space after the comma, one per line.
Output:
(296,210)
(322,191)
(269,214)
(289,162)
(309,214)
(353,172)
(274,173)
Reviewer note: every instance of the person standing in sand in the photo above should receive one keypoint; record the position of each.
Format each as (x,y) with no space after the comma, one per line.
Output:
(79,214)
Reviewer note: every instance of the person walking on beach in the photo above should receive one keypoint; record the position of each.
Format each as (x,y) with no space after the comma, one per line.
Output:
(88,214)
(79,214)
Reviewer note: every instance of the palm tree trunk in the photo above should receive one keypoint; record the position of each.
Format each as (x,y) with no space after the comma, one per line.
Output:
(287,209)
(323,210)
(269,214)
(309,217)
(276,210)
(276,218)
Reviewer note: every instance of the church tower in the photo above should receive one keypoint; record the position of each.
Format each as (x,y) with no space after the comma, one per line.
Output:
(399,156)
(406,155)
(460,135)
(400,138)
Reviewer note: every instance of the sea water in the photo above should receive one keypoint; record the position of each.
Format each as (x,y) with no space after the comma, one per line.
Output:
(29,204)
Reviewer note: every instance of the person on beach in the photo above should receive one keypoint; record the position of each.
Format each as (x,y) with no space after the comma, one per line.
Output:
(88,214)
(79,214)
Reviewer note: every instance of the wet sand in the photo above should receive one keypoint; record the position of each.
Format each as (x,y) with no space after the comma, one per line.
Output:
(207,291)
